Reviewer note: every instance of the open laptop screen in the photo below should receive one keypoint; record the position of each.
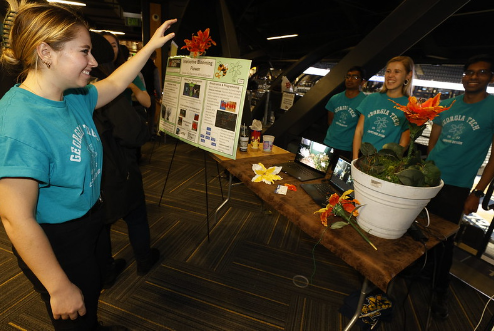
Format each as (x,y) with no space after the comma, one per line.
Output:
(315,155)
(342,175)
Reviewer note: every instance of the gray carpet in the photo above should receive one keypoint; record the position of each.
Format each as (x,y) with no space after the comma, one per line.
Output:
(241,279)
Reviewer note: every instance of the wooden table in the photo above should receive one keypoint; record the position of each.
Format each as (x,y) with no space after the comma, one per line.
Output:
(378,267)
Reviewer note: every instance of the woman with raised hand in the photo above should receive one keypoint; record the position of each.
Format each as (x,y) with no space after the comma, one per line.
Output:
(51,157)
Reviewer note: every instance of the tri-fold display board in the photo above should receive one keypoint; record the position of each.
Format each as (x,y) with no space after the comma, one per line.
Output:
(203,100)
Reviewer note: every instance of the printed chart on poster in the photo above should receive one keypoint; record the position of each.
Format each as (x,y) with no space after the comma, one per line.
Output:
(203,99)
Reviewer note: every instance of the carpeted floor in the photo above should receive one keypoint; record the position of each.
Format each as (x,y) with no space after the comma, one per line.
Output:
(241,279)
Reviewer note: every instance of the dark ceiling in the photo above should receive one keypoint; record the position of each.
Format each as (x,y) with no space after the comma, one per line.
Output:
(340,23)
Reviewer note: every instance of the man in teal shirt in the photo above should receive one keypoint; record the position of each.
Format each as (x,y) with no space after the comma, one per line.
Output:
(342,117)
(459,142)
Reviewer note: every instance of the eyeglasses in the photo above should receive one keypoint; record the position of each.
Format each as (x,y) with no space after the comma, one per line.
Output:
(354,77)
(480,73)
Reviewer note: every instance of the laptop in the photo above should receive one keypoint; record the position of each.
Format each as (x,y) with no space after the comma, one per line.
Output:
(339,182)
(312,161)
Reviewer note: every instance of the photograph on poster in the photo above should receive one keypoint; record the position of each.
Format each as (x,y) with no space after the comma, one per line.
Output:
(225,120)
(192,90)
(228,105)
(174,63)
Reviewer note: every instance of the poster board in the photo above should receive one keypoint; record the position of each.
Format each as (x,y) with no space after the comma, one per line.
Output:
(203,100)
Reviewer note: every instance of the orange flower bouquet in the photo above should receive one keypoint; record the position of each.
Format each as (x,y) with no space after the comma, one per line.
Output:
(346,208)
(390,164)
(198,44)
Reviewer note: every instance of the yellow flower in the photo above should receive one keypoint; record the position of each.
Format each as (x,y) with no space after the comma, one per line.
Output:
(265,175)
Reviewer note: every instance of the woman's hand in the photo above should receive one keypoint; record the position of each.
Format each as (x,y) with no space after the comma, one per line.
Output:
(159,38)
(67,302)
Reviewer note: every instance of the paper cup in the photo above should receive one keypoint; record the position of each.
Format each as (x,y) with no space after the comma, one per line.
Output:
(255,138)
(267,143)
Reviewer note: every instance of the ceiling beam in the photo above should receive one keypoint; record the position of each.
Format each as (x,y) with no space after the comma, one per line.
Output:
(399,31)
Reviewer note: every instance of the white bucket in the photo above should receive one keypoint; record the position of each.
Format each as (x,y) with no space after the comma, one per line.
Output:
(388,209)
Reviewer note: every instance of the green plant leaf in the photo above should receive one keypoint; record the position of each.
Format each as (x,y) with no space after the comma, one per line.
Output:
(411,177)
(432,174)
(338,225)
(396,148)
(367,149)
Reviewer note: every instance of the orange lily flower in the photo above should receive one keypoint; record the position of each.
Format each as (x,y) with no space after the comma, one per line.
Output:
(345,208)
(347,204)
(199,43)
(420,112)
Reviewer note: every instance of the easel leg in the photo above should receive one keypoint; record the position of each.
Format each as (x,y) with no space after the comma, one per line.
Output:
(230,177)
(219,179)
(168,173)
(207,197)
(366,288)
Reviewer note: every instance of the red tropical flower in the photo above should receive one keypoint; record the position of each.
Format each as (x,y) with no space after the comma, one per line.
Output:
(199,43)
(418,112)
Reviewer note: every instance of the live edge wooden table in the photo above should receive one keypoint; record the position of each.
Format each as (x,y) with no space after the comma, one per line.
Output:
(378,267)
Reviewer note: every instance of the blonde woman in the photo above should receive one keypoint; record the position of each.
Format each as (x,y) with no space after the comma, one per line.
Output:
(379,122)
(51,157)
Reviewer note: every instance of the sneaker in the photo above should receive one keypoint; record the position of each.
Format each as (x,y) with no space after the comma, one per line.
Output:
(145,265)
(439,306)
(113,271)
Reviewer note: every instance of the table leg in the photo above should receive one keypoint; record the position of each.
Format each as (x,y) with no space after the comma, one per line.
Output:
(230,177)
(366,288)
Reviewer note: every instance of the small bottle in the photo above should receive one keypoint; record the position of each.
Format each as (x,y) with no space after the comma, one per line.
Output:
(244,139)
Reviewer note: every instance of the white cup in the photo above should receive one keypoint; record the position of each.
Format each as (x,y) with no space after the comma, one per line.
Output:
(267,143)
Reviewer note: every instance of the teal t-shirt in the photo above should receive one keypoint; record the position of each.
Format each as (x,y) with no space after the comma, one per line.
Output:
(340,132)
(383,123)
(55,143)
(466,135)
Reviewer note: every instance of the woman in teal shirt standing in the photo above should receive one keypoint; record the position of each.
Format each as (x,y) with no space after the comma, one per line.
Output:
(379,122)
(51,157)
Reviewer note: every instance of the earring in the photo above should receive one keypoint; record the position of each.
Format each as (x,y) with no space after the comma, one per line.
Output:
(406,81)
(46,63)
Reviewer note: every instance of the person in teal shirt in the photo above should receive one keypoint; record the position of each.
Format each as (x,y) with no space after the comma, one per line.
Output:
(51,157)
(380,122)
(342,114)
(459,141)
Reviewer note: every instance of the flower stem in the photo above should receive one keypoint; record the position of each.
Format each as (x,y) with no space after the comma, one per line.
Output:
(339,211)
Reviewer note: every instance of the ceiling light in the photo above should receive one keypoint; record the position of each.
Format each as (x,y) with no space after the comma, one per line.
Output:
(285,36)
(114,32)
(73,3)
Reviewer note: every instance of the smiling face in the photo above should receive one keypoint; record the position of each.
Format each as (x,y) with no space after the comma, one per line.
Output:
(73,63)
(395,76)
(114,44)
(477,76)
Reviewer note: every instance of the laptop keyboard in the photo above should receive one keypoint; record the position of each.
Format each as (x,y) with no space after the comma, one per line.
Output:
(303,169)
(324,188)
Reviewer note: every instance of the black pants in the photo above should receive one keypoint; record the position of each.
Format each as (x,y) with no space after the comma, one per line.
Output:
(138,230)
(80,249)
(448,204)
